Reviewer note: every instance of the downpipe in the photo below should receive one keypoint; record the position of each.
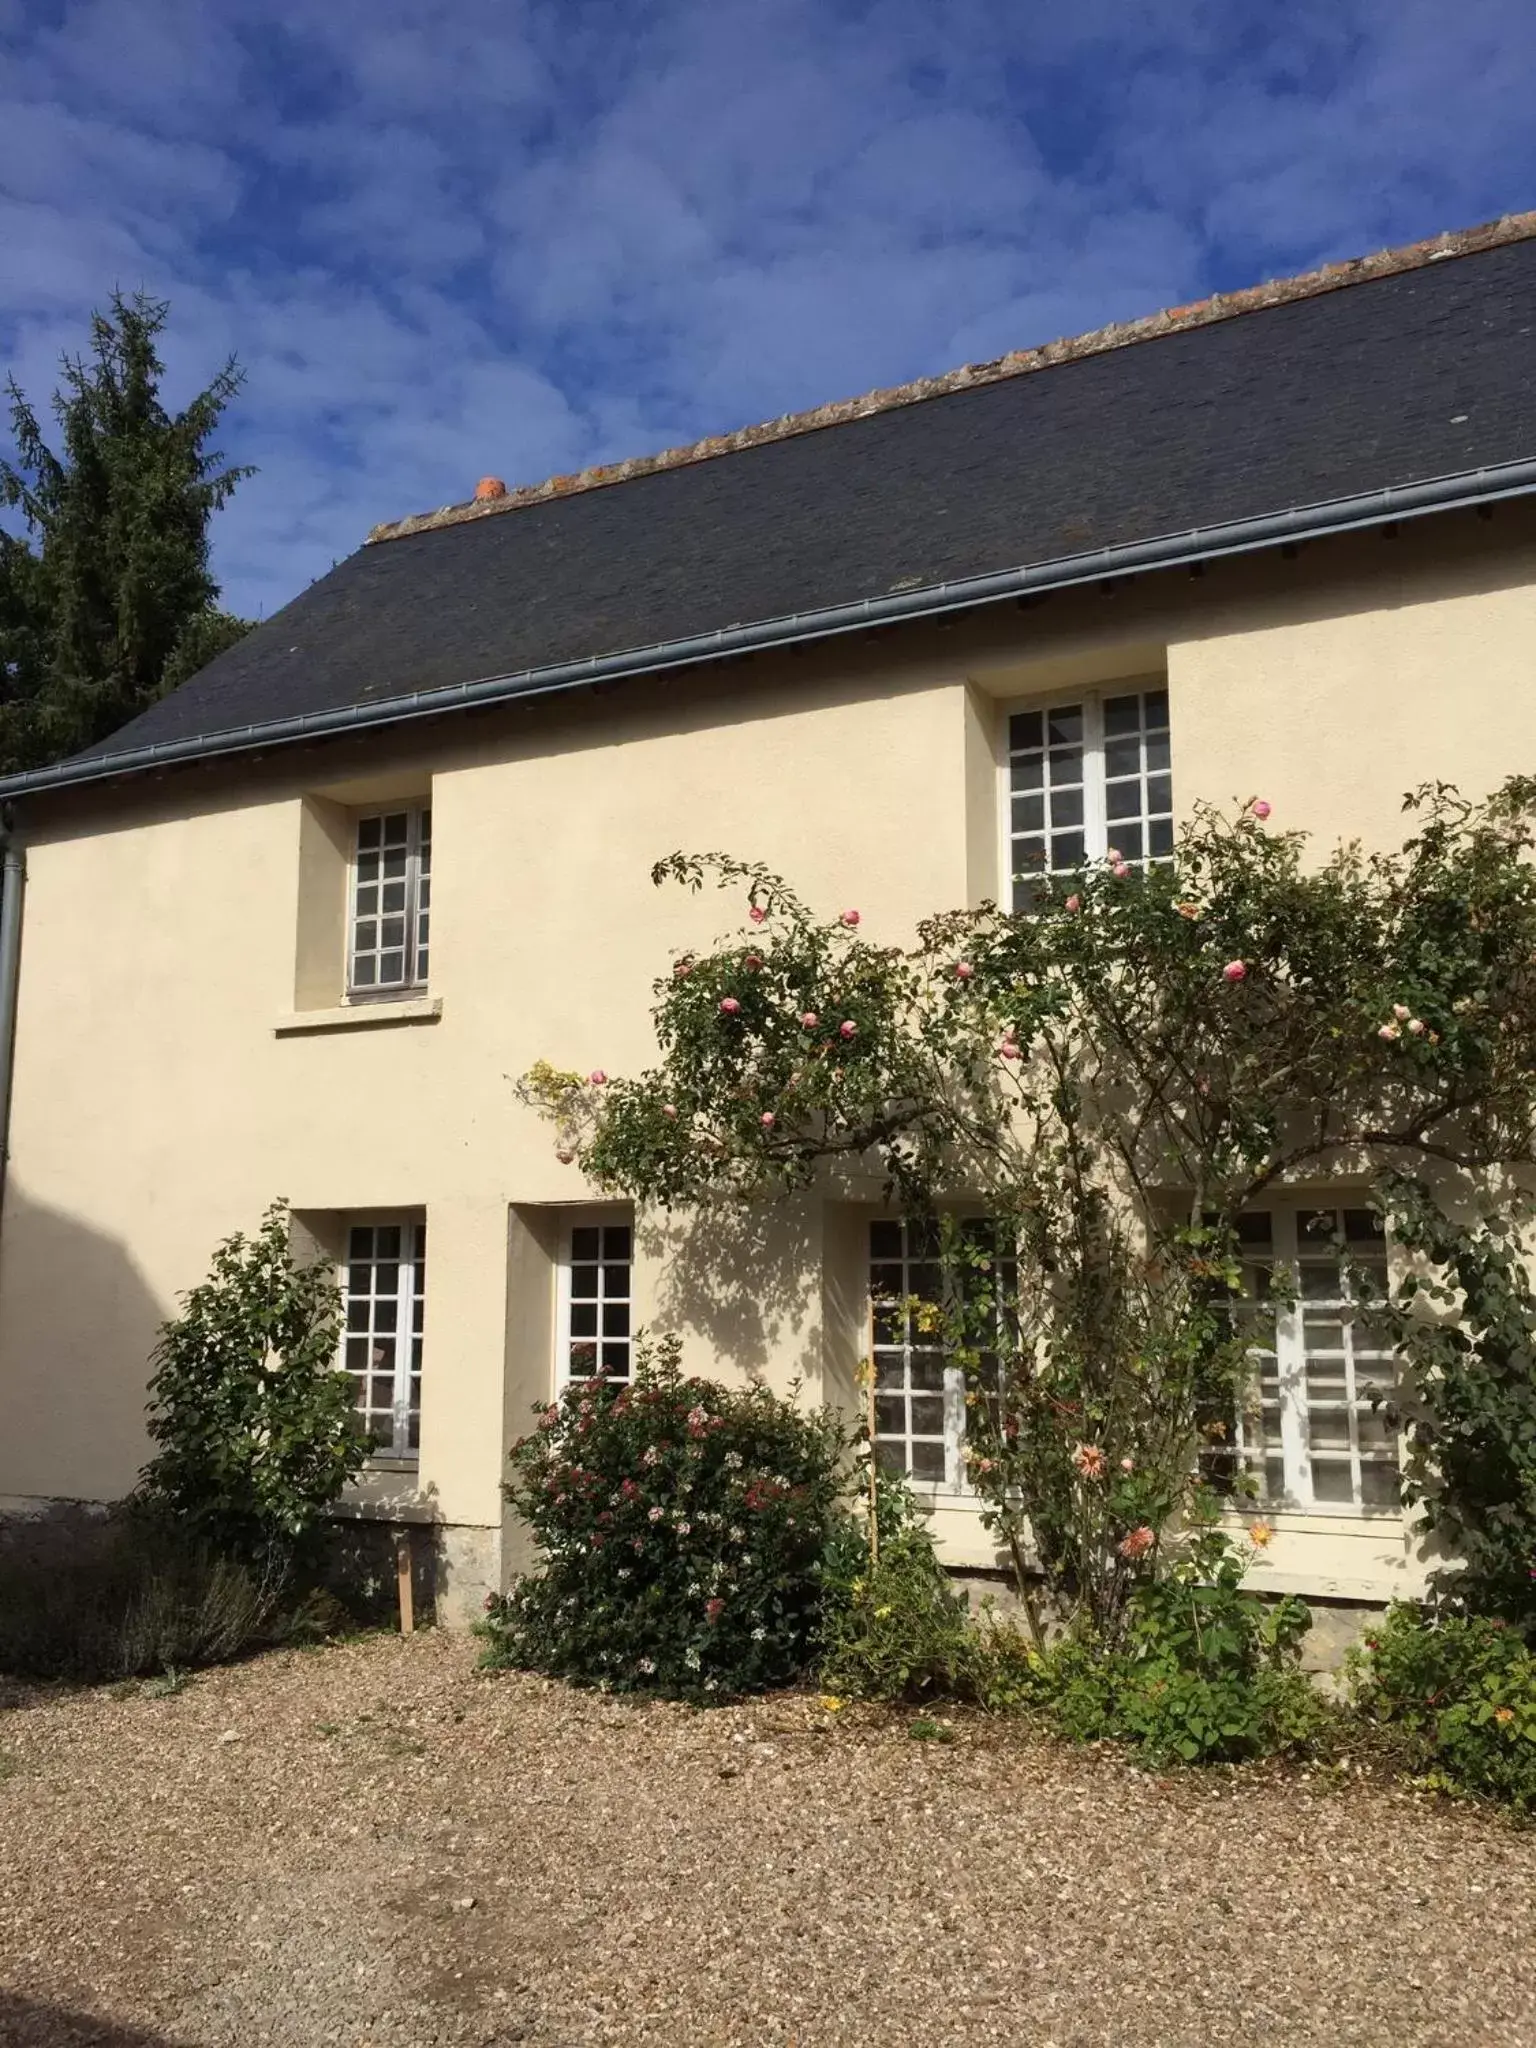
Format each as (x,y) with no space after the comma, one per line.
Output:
(13,882)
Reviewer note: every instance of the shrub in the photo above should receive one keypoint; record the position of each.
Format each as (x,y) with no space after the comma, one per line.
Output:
(684,1527)
(1460,1693)
(126,1600)
(897,1630)
(1207,1673)
(255,1424)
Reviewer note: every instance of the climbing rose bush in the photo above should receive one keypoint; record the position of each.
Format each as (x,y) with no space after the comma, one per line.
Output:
(684,1526)
(1112,1079)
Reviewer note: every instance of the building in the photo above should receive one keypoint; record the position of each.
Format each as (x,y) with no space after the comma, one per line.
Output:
(1278,542)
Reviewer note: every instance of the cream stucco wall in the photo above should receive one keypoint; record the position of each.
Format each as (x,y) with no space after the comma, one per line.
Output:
(182,950)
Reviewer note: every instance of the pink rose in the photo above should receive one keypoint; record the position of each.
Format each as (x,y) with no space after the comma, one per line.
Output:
(682,967)
(1074,903)
(597,1077)
(1127,1464)
(766,1119)
(669,1109)
(1138,1543)
(757,913)
(848,1029)
(729,1005)
(964,970)
(1120,870)
(1259,808)
(1009,1049)
(1112,854)
(1416,1026)
(1235,970)
(850,918)
(1389,1031)
(1400,1011)
(809,1020)
(753,962)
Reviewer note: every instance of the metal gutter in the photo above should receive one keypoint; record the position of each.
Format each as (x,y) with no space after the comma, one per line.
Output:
(1243,536)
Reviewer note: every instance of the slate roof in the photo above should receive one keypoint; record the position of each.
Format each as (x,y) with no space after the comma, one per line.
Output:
(1297,395)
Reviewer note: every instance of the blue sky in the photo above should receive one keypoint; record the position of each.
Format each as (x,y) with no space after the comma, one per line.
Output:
(517,236)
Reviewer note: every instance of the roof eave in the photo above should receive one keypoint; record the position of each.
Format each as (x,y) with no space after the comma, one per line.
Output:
(1245,536)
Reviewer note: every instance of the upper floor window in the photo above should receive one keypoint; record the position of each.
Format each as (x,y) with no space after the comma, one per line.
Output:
(1310,1434)
(1084,778)
(385,1296)
(391,903)
(594,1318)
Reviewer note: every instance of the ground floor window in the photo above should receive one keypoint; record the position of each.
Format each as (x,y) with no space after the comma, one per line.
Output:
(1310,1434)
(385,1293)
(919,1395)
(594,1324)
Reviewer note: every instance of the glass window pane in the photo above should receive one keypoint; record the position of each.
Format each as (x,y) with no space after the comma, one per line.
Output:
(889,1369)
(891,1414)
(1127,841)
(927,1372)
(1122,757)
(927,1461)
(584,1283)
(1028,773)
(1160,837)
(617,1240)
(1122,715)
(585,1243)
(1066,725)
(1154,707)
(1066,808)
(1029,813)
(1123,800)
(615,1318)
(1066,766)
(1068,851)
(616,1282)
(1158,758)
(885,1240)
(927,1415)
(583,1318)
(1159,793)
(1024,729)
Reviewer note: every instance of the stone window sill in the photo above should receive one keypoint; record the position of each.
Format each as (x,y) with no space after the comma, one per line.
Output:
(361,1016)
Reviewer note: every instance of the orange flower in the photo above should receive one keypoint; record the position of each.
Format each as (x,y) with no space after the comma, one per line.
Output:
(1089,1460)
(1138,1543)
(1262,1534)
(1503,1715)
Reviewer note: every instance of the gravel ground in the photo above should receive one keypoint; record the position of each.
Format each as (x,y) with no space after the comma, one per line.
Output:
(376,1846)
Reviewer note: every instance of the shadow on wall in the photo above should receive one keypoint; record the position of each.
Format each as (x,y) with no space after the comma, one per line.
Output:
(743,1280)
(78,1321)
(26,2024)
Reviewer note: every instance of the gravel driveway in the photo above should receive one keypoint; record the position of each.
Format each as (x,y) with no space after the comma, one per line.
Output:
(378,1847)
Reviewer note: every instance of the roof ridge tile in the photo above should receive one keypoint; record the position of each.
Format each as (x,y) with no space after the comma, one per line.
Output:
(1510,227)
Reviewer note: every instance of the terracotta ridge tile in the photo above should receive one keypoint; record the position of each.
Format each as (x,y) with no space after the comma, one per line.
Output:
(1512,227)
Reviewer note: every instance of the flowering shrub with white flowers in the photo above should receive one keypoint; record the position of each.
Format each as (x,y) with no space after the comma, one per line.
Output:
(684,1527)
(1111,1078)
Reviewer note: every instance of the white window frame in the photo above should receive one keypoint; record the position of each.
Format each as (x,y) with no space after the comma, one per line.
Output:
(1360,1362)
(409,1298)
(1096,826)
(416,910)
(955,1483)
(573,1220)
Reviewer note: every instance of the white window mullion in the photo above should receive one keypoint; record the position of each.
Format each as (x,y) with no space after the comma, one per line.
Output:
(1095,822)
(1291,1359)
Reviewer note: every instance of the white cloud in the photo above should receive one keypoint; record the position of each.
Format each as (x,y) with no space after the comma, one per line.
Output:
(448,237)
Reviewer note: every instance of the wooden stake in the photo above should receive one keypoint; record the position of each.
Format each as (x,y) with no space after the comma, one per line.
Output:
(403,1581)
